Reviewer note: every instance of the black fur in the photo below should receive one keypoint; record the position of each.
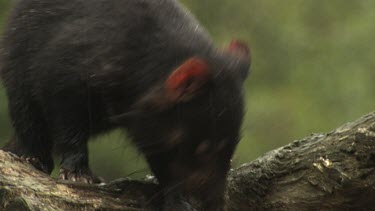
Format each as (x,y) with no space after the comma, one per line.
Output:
(75,69)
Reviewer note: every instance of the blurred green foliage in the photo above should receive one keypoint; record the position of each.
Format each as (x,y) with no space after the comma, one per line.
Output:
(313,69)
(5,128)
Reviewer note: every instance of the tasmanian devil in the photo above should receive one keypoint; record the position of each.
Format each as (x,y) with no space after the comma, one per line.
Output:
(75,69)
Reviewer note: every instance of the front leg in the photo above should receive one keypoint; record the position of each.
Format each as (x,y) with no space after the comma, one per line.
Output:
(75,165)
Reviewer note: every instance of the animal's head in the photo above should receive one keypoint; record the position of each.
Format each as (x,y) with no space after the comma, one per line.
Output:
(189,124)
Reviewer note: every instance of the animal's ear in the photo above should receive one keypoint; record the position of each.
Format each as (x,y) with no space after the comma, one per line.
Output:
(187,80)
(181,85)
(242,51)
(240,48)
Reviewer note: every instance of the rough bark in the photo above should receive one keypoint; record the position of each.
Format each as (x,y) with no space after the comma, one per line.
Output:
(332,171)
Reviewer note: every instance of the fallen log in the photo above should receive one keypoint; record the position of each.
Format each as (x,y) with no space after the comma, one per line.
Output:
(331,171)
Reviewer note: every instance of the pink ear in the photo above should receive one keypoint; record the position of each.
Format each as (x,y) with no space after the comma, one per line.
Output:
(239,47)
(187,79)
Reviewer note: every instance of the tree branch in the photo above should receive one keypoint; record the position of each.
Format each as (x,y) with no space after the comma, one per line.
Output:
(333,171)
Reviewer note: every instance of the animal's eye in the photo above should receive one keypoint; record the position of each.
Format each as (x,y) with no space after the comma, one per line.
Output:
(202,147)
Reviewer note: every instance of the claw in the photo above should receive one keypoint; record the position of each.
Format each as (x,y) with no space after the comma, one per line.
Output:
(79,176)
(37,163)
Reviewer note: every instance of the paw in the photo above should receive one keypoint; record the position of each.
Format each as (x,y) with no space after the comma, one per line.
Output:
(83,176)
(45,167)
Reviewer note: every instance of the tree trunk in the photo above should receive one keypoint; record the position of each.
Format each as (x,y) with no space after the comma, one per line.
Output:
(333,171)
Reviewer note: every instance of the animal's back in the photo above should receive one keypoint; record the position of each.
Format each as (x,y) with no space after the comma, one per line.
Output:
(135,29)
(96,47)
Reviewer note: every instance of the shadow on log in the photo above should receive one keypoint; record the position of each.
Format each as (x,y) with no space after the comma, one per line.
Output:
(333,171)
